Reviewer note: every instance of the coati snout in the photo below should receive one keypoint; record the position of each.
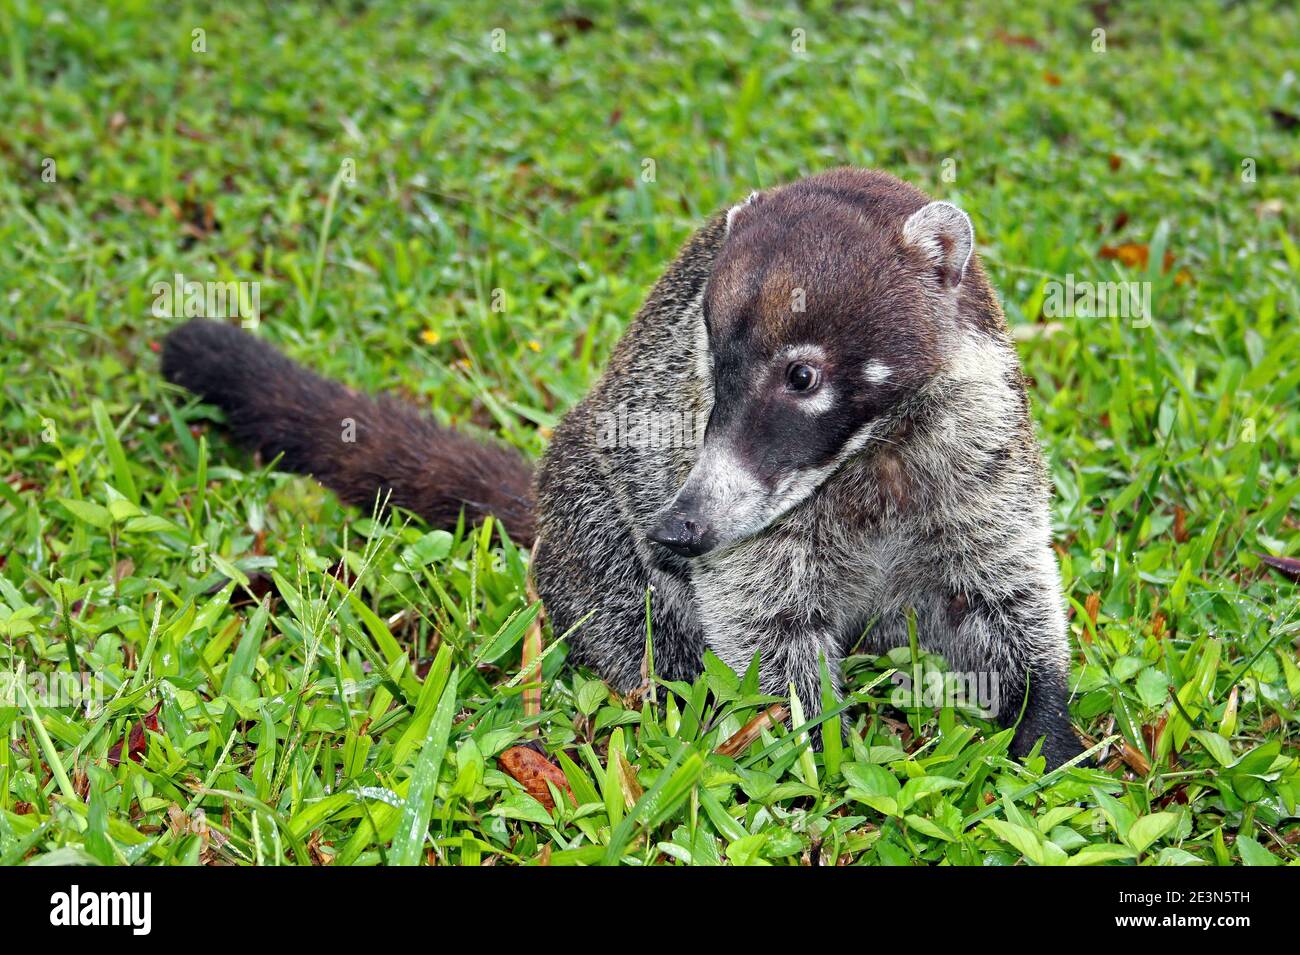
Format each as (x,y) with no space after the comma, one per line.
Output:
(817,322)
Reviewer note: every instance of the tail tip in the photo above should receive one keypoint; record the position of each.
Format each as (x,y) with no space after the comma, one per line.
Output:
(192,353)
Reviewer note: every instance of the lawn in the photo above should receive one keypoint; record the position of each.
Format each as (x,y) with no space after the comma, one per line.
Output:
(466,207)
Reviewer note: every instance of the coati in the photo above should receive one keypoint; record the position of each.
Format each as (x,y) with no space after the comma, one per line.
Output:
(868,453)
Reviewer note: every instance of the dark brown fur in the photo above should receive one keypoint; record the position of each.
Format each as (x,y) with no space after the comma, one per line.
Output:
(279,408)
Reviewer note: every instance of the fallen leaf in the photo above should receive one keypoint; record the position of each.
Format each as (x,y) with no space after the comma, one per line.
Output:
(530,661)
(1134,255)
(532,770)
(1177,795)
(632,791)
(81,783)
(1130,253)
(136,741)
(1133,757)
(739,742)
(1180,524)
(123,569)
(1016,39)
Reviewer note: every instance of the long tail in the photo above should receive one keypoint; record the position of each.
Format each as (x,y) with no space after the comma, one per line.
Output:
(357,446)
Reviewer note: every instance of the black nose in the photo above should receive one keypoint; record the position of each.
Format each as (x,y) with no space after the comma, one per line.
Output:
(681,534)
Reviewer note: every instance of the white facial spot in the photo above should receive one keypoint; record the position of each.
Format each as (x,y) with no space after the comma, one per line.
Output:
(875,372)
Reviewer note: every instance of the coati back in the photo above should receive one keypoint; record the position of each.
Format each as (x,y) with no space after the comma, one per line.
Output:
(868,453)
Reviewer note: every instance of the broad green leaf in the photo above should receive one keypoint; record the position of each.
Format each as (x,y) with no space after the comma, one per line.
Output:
(1147,829)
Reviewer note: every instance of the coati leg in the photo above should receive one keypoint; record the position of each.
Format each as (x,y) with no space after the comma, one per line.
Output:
(1014,641)
(609,612)
(361,448)
(791,655)
(591,574)
(774,615)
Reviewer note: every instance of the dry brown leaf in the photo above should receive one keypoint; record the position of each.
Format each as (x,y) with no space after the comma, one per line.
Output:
(1136,255)
(776,713)
(632,791)
(1091,604)
(1269,207)
(1016,39)
(532,770)
(1180,524)
(1133,758)
(123,569)
(136,742)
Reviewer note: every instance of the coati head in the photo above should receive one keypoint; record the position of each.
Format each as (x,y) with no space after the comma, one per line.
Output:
(828,304)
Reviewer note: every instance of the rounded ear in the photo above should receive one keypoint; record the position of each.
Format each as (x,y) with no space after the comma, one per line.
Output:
(943,234)
(731,213)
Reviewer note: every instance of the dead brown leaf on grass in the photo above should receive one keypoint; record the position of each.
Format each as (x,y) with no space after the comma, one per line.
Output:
(532,770)
(743,737)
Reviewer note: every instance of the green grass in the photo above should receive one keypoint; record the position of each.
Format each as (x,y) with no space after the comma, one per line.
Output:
(363,727)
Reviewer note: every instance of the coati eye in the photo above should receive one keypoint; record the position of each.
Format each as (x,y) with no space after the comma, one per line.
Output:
(801,377)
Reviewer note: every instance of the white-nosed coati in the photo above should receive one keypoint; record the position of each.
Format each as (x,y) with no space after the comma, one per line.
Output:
(868,452)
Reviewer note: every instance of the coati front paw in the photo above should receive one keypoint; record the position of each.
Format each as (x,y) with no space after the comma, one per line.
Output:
(1046,716)
(1049,721)
(1060,742)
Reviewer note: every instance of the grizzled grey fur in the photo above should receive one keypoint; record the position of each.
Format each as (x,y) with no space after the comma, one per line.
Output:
(927,492)
(868,450)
